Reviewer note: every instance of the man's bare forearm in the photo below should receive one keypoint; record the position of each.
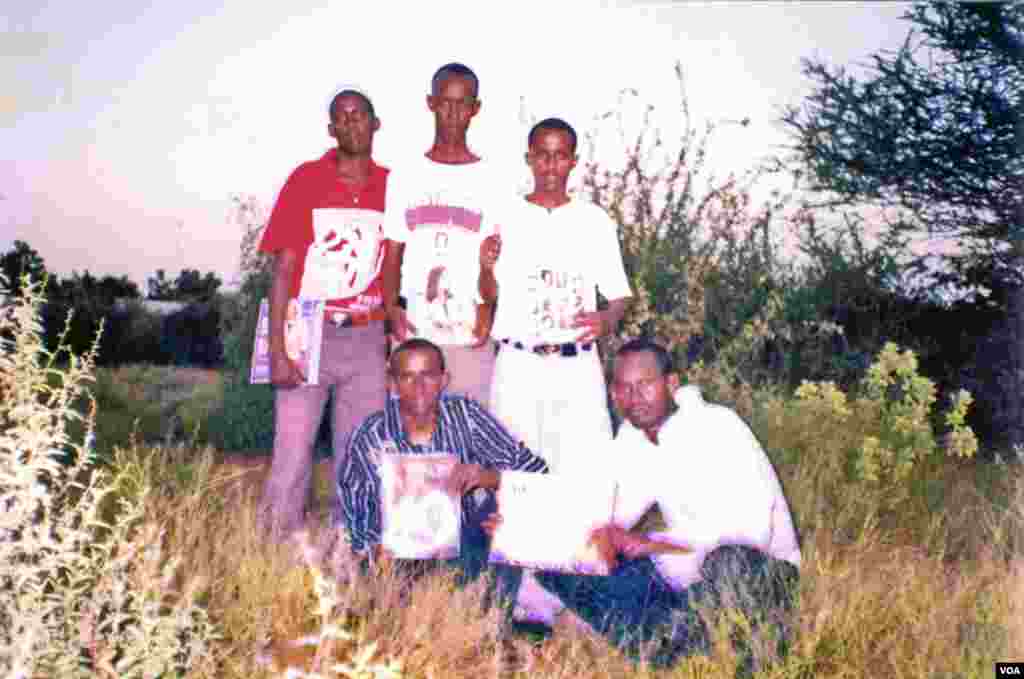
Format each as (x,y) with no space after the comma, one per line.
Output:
(280,289)
(487,285)
(615,311)
(391,273)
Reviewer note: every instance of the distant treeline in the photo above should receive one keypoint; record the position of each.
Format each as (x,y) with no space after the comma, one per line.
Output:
(177,323)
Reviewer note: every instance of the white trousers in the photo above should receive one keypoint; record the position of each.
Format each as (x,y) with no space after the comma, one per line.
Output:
(556,404)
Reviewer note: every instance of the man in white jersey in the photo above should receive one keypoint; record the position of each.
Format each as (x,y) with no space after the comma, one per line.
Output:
(545,269)
(439,209)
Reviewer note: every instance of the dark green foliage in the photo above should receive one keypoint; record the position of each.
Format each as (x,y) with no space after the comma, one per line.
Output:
(20,260)
(246,419)
(933,129)
(189,286)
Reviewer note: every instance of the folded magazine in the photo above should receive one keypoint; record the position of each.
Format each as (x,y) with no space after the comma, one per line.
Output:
(547,520)
(303,332)
(420,516)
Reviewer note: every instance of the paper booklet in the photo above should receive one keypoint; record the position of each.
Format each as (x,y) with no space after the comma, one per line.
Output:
(547,520)
(303,332)
(555,299)
(420,517)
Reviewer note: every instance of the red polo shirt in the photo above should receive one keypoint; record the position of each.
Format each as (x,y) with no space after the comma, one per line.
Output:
(336,230)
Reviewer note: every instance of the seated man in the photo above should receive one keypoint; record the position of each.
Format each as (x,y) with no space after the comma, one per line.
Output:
(424,419)
(729,541)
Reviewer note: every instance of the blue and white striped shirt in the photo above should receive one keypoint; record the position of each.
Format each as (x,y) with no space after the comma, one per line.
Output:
(464,429)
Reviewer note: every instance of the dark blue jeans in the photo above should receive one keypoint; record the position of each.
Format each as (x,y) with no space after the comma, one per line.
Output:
(635,606)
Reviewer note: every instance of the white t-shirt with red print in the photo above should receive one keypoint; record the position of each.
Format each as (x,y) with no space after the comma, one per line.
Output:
(443,212)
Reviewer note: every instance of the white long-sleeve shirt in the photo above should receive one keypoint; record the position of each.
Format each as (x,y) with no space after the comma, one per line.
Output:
(712,482)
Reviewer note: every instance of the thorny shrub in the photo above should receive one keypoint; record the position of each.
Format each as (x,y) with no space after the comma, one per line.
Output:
(86,589)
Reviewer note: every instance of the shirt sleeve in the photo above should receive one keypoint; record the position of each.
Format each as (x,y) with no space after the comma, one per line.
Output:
(609,271)
(291,220)
(495,448)
(359,490)
(762,519)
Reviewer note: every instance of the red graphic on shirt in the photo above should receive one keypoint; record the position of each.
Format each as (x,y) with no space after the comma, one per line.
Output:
(443,215)
(343,263)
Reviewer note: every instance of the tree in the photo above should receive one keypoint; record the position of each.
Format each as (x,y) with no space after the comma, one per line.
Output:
(191,285)
(158,287)
(20,260)
(935,130)
(188,286)
(111,288)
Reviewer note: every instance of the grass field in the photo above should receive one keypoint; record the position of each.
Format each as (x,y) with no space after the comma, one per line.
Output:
(913,552)
(930,586)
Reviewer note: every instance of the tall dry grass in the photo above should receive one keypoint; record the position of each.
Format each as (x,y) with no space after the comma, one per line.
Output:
(87,585)
(912,562)
(872,604)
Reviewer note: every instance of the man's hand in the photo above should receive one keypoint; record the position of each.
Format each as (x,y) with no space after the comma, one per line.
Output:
(597,324)
(401,328)
(284,373)
(490,250)
(633,546)
(383,559)
(466,477)
(604,540)
(612,541)
(594,324)
(491,523)
(482,328)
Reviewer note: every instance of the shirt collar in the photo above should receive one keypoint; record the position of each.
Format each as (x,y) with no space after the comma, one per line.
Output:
(686,397)
(330,158)
(397,428)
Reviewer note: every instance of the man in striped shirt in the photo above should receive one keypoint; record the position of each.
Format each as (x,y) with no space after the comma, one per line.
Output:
(423,419)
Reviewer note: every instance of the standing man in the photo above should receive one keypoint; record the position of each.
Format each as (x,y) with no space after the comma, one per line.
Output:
(556,254)
(326,233)
(439,215)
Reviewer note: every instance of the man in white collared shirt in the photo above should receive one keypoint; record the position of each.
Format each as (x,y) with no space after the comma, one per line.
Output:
(728,524)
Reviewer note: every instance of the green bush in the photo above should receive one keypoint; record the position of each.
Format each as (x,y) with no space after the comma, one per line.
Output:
(866,456)
(245,419)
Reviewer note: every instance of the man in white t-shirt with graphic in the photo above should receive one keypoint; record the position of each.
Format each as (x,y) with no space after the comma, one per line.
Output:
(556,252)
(440,207)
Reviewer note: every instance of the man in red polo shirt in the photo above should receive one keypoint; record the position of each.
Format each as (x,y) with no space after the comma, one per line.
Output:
(326,233)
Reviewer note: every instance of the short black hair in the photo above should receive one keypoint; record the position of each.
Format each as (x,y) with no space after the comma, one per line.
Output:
(552,124)
(412,345)
(454,69)
(662,356)
(350,93)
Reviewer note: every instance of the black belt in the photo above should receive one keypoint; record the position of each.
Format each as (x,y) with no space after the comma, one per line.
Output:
(567,349)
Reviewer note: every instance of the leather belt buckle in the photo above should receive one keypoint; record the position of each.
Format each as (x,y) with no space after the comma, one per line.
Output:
(354,319)
(339,319)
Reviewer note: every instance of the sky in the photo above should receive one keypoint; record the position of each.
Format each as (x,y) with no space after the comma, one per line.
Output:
(127,128)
